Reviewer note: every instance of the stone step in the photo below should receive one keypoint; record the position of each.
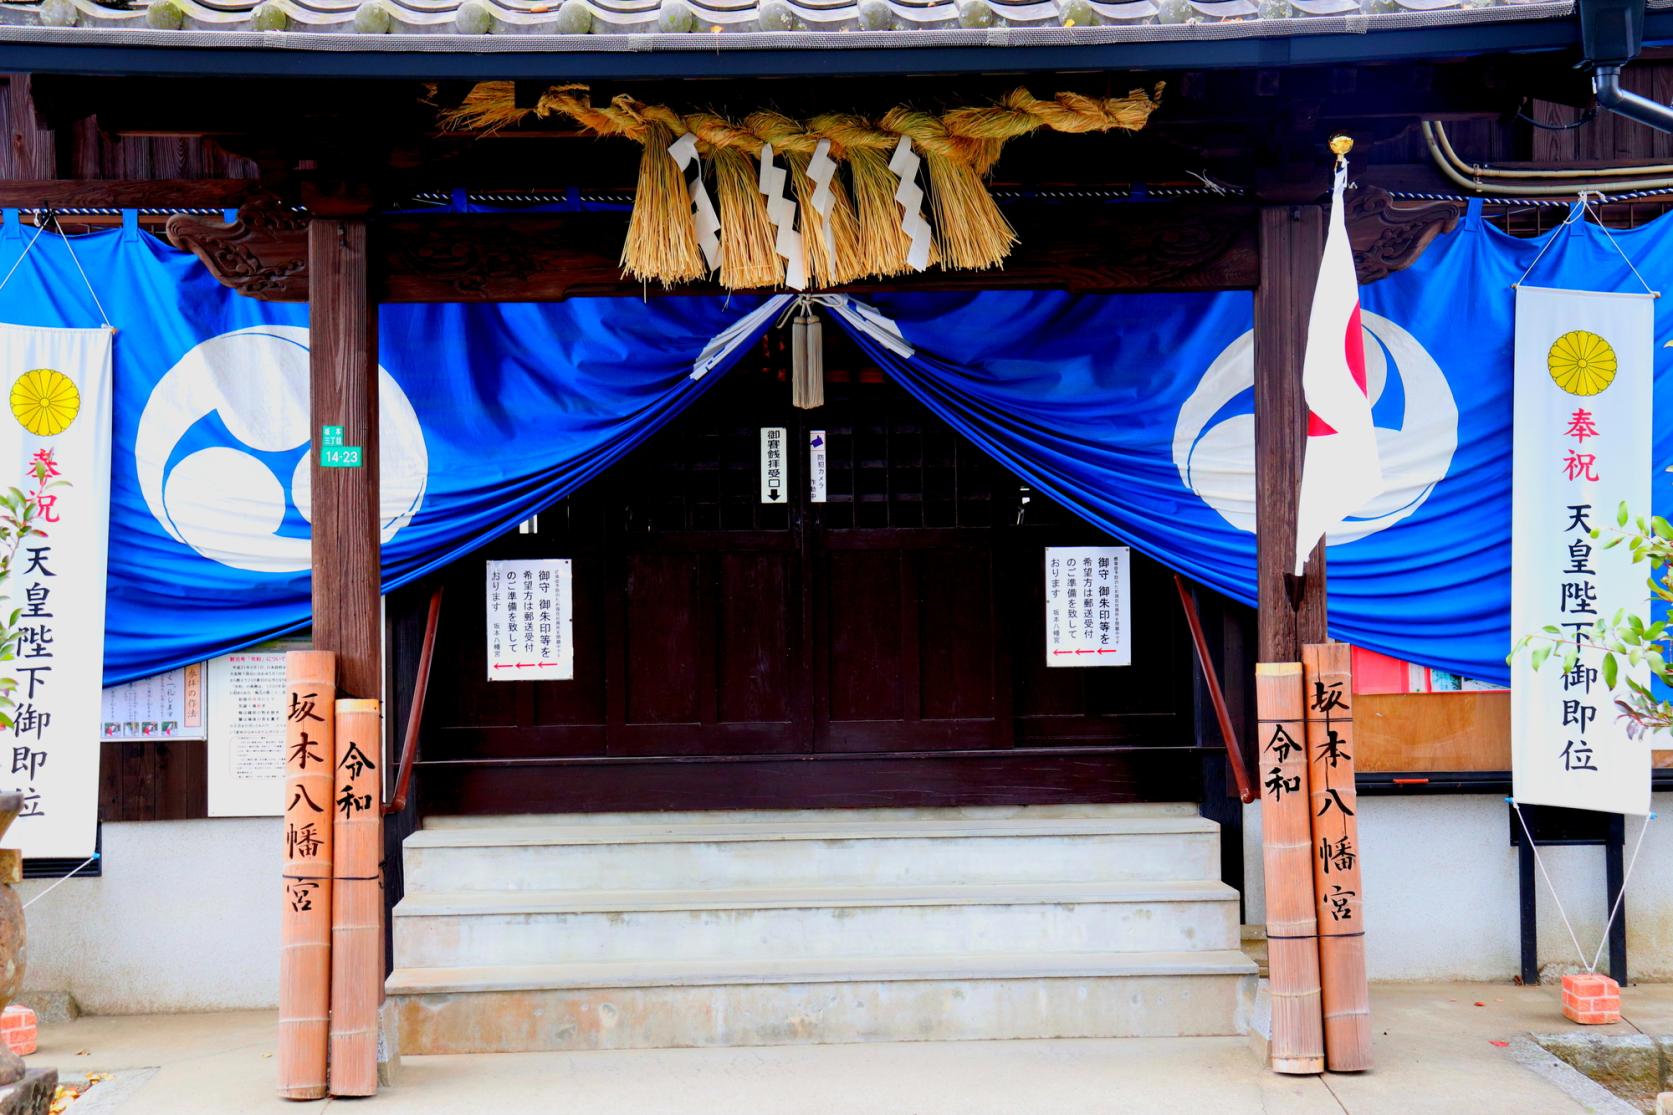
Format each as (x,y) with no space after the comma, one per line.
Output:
(556,854)
(759,1001)
(445,929)
(791,816)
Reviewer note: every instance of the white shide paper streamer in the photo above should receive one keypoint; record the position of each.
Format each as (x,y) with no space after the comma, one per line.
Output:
(821,169)
(904,164)
(782,212)
(684,152)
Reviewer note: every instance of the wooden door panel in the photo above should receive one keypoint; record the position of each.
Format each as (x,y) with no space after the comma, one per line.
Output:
(955,634)
(754,658)
(663,600)
(864,635)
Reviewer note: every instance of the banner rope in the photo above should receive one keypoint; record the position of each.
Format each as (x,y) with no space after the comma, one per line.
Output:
(1575,213)
(1614,911)
(49,217)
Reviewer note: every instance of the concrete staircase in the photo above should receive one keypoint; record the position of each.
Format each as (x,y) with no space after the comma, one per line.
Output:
(660,930)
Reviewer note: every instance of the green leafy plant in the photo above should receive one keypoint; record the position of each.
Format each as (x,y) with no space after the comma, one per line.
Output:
(1623,637)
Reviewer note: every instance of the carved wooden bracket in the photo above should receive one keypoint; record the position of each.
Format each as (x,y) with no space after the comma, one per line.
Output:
(1388,237)
(264,253)
(1082,247)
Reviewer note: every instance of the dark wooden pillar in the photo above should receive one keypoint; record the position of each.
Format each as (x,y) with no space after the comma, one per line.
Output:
(1291,242)
(343,332)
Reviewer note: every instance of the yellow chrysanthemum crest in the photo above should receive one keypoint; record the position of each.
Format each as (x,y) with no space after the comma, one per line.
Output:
(1581,363)
(45,401)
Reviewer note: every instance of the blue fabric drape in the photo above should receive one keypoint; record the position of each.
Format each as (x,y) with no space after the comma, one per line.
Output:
(518,406)
(1135,411)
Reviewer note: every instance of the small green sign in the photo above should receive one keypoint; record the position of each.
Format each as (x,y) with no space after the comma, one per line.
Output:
(331,435)
(339,456)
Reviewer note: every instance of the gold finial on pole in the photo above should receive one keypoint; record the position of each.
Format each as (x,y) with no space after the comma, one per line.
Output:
(1340,145)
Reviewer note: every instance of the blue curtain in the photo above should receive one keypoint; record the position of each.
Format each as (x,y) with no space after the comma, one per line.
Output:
(1135,411)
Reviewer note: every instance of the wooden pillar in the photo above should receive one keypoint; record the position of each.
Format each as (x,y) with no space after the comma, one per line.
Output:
(1291,242)
(343,331)
(1290,613)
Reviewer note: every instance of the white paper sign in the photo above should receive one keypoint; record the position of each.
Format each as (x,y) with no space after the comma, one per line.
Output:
(1582,446)
(1088,606)
(773,471)
(531,620)
(246,731)
(55,449)
(167,706)
(817,474)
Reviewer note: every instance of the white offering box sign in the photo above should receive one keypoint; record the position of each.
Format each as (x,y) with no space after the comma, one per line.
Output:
(773,472)
(1582,446)
(531,620)
(1088,606)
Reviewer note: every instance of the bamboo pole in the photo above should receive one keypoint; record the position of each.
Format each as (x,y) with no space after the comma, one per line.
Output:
(305,922)
(1297,1042)
(1328,673)
(357,900)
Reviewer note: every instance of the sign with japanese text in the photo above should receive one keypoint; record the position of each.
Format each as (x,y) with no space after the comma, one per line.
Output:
(168,705)
(773,464)
(55,453)
(1088,606)
(818,470)
(247,696)
(531,617)
(1582,448)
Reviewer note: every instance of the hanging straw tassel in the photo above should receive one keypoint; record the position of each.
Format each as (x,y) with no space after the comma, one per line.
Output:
(748,256)
(832,246)
(813,390)
(970,230)
(305,922)
(807,359)
(661,235)
(865,151)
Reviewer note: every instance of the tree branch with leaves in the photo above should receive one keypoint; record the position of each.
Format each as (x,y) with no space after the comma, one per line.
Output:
(1625,636)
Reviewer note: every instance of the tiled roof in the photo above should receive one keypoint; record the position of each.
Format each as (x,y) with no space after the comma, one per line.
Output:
(745,24)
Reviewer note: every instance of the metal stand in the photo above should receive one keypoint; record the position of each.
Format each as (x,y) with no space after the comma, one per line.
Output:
(1553,827)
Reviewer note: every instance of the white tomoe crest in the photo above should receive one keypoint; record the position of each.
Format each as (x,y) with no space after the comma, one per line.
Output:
(1216,459)
(223,500)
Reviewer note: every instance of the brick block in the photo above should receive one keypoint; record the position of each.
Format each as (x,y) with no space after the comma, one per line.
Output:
(1591,999)
(17,1027)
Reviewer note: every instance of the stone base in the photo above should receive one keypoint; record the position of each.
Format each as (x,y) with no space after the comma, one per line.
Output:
(389,1043)
(1591,1000)
(50,1007)
(30,1096)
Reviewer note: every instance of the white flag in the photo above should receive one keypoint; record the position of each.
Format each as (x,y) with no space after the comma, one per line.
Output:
(1341,471)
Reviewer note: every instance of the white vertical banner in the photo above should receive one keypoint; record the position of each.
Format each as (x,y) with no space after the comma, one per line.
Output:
(55,450)
(1582,447)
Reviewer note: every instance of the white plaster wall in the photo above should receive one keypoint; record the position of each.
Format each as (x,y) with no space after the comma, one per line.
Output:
(1441,896)
(184,918)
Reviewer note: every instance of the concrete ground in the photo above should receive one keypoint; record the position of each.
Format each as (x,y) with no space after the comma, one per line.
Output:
(1437,1051)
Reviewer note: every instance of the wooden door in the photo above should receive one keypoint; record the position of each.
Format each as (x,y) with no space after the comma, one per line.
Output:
(882,647)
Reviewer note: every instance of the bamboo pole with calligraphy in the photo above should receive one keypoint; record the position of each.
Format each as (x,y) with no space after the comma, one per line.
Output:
(1327,669)
(305,922)
(356,899)
(1297,1040)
